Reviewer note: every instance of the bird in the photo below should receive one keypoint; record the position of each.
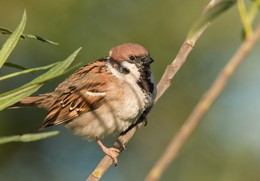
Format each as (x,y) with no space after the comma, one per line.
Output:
(102,98)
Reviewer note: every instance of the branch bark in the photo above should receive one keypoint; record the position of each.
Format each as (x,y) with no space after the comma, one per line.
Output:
(162,86)
(202,107)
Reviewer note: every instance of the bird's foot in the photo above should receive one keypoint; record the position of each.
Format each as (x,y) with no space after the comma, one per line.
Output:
(112,152)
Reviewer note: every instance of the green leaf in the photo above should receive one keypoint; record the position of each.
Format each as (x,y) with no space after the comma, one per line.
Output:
(211,15)
(44,40)
(29,36)
(11,42)
(75,66)
(27,137)
(27,71)
(13,65)
(5,31)
(13,96)
(57,70)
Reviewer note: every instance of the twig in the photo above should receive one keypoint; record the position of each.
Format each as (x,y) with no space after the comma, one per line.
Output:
(202,107)
(162,86)
(179,60)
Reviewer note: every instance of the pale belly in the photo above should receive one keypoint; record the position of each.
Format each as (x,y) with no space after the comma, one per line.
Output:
(112,117)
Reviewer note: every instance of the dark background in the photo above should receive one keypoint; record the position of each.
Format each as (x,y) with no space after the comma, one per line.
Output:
(224,147)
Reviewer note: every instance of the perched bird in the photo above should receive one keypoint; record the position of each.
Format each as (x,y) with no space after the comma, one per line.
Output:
(104,97)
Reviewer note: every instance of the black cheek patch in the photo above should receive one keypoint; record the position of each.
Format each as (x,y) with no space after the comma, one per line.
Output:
(124,70)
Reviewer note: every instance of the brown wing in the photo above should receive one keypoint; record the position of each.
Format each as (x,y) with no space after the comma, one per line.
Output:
(76,96)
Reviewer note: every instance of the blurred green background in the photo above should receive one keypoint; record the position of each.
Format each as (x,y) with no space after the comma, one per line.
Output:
(224,147)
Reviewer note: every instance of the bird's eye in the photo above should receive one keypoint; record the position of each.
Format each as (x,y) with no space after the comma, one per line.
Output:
(132,57)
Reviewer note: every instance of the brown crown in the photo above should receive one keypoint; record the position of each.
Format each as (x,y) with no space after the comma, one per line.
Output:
(124,51)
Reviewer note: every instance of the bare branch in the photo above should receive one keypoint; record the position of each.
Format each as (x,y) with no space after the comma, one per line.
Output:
(202,107)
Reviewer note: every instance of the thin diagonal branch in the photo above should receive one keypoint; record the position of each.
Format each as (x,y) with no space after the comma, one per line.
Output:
(162,86)
(202,107)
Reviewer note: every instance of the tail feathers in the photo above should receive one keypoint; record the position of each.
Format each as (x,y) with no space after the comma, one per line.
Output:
(38,101)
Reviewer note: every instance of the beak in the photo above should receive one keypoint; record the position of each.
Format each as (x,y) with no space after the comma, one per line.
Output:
(146,60)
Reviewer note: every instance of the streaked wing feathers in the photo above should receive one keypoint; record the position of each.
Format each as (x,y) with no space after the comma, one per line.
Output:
(78,96)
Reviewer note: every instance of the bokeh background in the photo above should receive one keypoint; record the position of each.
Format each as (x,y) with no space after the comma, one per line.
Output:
(224,147)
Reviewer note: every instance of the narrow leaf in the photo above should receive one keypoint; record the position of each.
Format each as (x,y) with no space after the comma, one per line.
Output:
(11,42)
(27,71)
(13,96)
(27,137)
(44,40)
(13,65)
(29,36)
(5,31)
(57,70)
(211,15)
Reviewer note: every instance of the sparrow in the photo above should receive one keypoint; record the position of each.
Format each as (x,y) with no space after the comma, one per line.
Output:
(102,98)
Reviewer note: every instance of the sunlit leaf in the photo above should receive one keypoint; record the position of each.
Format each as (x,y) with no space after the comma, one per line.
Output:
(57,70)
(11,42)
(27,71)
(212,14)
(27,137)
(13,96)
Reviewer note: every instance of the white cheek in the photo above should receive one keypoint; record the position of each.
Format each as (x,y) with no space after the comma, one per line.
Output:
(131,77)
(134,72)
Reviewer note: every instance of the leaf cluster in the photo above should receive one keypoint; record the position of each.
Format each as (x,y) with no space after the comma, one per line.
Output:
(10,97)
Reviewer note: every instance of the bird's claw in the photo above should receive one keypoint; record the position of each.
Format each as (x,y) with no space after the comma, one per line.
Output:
(112,152)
